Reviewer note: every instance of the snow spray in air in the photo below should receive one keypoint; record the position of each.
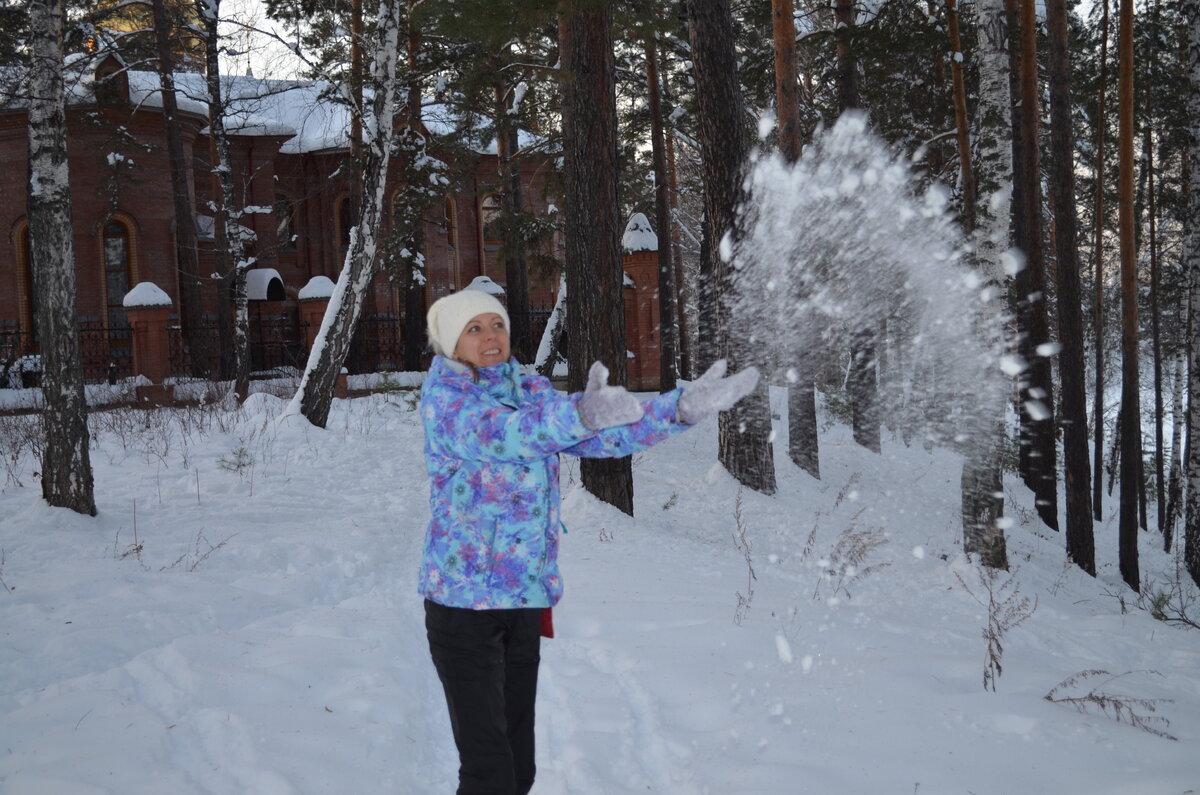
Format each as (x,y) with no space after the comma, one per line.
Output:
(843,243)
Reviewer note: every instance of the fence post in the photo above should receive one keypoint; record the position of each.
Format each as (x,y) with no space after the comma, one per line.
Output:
(641,319)
(148,309)
(314,300)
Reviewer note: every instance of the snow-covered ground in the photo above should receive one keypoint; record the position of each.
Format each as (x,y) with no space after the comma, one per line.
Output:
(241,619)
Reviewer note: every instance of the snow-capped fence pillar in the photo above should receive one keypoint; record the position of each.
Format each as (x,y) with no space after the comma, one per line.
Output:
(148,309)
(642,336)
(314,300)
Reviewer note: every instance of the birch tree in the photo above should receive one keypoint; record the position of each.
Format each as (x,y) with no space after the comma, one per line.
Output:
(66,465)
(315,394)
(228,215)
(982,475)
(1191,259)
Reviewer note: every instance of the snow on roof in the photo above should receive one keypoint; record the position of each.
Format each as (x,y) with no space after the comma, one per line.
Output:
(264,284)
(146,294)
(307,112)
(485,285)
(638,234)
(317,287)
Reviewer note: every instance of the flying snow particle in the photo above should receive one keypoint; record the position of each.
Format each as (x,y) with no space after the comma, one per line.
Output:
(766,123)
(777,709)
(726,248)
(1048,349)
(1013,262)
(783,648)
(792,376)
(1037,410)
(806,663)
(918,552)
(1004,522)
(1012,364)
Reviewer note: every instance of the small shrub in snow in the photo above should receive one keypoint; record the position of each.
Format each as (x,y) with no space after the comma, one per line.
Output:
(846,564)
(1175,601)
(1121,708)
(237,461)
(742,544)
(134,550)
(192,558)
(1006,609)
(20,436)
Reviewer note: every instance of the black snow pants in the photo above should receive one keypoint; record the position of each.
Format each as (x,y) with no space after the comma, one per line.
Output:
(488,663)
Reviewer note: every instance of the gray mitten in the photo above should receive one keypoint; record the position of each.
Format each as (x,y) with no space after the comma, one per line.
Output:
(713,392)
(604,406)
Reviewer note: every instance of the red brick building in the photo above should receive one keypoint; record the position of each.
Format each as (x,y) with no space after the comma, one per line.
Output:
(289,157)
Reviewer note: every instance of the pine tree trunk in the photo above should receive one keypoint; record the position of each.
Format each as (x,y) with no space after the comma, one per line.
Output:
(591,223)
(1037,388)
(66,465)
(191,310)
(745,430)
(682,292)
(862,383)
(803,444)
(668,310)
(1081,545)
(982,474)
(516,277)
(1098,276)
(1191,262)
(963,133)
(315,394)
(1131,414)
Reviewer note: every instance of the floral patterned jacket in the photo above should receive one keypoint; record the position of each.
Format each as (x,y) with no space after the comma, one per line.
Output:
(491,448)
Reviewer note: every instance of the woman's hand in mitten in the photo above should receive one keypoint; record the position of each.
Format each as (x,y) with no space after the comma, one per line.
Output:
(713,392)
(604,406)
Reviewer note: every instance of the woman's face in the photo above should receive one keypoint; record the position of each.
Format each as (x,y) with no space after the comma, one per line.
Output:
(484,341)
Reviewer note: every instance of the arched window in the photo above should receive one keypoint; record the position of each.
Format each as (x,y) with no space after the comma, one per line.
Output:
(118,278)
(285,222)
(27,302)
(489,211)
(116,271)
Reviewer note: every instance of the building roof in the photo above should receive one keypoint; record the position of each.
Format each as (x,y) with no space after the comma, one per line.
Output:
(308,113)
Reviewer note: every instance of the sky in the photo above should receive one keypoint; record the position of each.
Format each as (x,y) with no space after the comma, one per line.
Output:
(252,48)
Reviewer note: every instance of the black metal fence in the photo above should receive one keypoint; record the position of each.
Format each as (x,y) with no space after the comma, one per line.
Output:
(106,355)
(278,343)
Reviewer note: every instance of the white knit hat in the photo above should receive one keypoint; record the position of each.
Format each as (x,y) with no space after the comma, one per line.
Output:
(450,314)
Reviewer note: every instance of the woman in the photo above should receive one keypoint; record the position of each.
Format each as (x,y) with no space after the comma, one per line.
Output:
(490,563)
